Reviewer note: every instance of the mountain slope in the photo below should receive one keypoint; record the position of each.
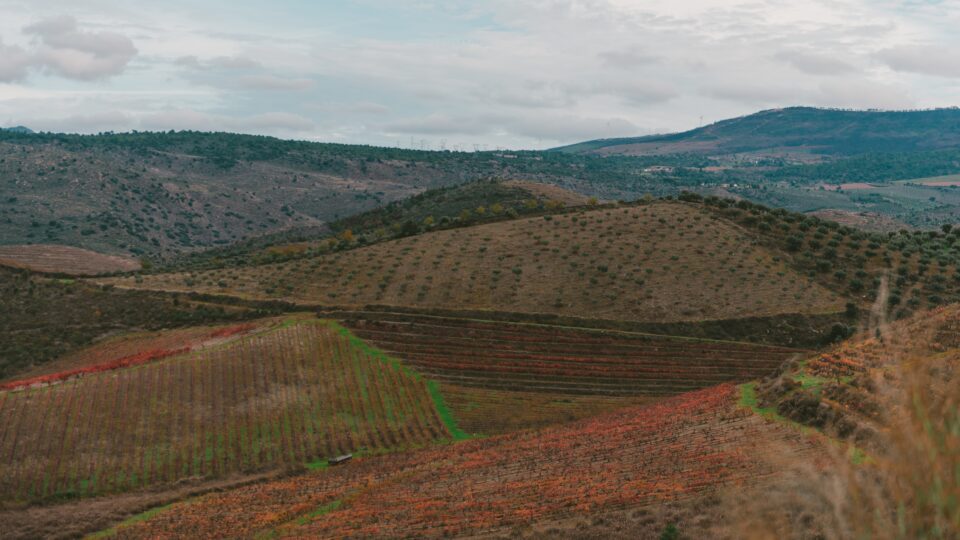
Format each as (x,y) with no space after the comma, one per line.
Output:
(470,203)
(798,130)
(664,261)
(161,194)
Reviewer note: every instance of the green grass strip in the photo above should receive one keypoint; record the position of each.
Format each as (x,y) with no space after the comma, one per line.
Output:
(446,415)
(325,509)
(143,516)
(317,465)
(443,411)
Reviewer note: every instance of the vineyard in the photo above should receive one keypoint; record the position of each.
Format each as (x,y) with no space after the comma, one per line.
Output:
(484,411)
(675,449)
(132,349)
(279,398)
(540,358)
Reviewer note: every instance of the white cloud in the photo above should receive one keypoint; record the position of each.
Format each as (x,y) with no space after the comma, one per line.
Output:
(534,125)
(14,62)
(86,123)
(70,52)
(939,60)
(271,122)
(518,73)
(271,82)
(816,63)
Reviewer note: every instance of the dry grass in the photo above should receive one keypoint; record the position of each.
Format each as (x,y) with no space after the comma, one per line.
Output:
(550,192)
(54,259)
(909,487)
(658,262)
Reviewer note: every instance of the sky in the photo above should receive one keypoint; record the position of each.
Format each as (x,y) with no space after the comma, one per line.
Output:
(460,74)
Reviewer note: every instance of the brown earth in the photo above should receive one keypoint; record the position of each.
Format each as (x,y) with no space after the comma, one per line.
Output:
(54,259)
(660,262)
(550,192)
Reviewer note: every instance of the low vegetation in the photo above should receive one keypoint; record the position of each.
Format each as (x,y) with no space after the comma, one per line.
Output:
(664,261)
(42,319)
(923,267)
(538,358)
(466,205)
(621,459)
(164,194)
(282,396)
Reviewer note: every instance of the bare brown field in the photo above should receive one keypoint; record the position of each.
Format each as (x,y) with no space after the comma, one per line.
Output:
(53,259)
(868,221)
(659,262)
(550,192)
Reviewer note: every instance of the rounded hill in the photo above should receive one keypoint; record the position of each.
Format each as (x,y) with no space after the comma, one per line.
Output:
(657,262)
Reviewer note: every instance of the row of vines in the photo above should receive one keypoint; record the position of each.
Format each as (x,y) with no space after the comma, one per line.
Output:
(279,399)
(508,356)
(674,449)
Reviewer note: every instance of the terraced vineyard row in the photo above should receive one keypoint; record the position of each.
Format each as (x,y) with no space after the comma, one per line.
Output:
(523,357)
(677,448)
(276,399)
(130,350)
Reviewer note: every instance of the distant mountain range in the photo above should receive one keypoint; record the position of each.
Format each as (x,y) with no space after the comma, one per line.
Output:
(798,131)
(164,194)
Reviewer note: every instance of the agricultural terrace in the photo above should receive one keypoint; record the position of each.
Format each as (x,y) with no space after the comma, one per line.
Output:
(54,259)
(642,455)
(659,262)
(541,358)
(850,390)
(485,411)
(125,350)
(276,399)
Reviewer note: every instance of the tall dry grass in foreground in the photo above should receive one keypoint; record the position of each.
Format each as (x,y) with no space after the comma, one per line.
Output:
(909,488)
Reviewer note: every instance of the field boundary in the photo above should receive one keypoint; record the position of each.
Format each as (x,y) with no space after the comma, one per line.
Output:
(433,387)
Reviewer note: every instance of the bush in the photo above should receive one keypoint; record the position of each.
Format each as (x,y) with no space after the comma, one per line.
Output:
(670,532)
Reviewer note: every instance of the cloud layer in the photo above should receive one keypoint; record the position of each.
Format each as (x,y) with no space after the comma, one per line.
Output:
(507,73)
(62,48)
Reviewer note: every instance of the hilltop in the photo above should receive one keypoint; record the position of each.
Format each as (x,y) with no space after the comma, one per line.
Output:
(466,204)
(695,259)
(658,262)
(798,131)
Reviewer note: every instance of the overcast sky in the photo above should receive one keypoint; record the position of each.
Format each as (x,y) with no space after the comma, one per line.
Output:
(458,73)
